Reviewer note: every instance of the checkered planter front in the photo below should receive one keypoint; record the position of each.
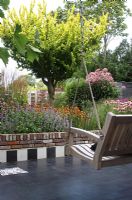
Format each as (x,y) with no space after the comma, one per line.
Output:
(31,154)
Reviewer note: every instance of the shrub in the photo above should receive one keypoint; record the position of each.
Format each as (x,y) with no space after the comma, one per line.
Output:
(60,100)
(102,84)
(81,90)
(100,75)
(102,89)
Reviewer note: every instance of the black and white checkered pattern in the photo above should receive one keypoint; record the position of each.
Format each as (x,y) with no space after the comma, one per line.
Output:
(14,155)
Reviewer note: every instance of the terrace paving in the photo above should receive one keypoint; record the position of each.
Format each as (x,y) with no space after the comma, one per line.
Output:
(66,179)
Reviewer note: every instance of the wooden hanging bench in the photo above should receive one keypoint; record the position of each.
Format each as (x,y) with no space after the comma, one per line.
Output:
(114,144)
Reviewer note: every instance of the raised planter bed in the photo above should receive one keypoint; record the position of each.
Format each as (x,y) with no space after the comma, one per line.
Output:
(21,147)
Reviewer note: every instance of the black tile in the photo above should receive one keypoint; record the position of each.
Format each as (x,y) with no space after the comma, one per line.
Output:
(51,152)
(11,156)
(32,154)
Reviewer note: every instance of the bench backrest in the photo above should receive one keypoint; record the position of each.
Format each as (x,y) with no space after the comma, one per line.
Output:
(117,133)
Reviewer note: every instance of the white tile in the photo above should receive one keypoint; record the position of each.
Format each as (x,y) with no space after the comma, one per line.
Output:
(2,156)
(60,151)
(12,171)
(21,154)
(41,152)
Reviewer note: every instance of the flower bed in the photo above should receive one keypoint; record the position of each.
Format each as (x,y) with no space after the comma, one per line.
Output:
(36,131)
(121,105)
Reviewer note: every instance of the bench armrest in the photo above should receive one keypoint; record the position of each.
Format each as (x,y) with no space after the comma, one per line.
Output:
(91,135)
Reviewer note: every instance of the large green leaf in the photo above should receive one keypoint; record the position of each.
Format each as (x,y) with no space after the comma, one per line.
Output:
(4,4)
(4,55)
(1,13)
(31,54)
(20,42)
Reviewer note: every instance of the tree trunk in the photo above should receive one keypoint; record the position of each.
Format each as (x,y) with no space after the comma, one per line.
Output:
(105,49)
(51,89)
(51,92)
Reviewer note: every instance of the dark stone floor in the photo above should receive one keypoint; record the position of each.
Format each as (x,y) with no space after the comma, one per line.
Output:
(66,179)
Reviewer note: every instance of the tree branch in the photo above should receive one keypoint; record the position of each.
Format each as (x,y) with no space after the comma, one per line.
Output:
(44,81)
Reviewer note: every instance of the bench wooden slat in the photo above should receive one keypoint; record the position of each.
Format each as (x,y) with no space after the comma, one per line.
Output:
(115,147)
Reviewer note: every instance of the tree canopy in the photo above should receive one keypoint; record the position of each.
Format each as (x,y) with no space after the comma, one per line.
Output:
(118,61)
(20,40)
(58,42)
(117,13)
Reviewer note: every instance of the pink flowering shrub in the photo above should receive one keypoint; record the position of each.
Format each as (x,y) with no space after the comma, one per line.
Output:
(102,84)
(100,75)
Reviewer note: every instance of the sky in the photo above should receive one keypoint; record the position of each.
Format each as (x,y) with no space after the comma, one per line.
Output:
(52,5)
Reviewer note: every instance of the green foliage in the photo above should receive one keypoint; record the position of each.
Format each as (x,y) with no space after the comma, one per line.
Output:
(32,53)
(59,41)
(123,60)
(1,13)
(117,12)
(104,90)
(19,89)
(19,40)
(3,6)
(77,93)
(102,108)
(101,90)
(27,120)
(60,100)
(4,55)
(118,62)
(15,91)
(20,43)
(6,97)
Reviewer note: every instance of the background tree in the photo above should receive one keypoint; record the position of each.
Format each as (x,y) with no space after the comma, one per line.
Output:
(123,57)
(117,12)
(118,61)
(59,42)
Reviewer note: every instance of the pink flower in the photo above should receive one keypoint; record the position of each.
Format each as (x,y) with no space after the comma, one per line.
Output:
(100,75)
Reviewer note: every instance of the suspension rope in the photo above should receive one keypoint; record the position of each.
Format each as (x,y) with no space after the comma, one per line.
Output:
(84,64)
(85,67)
(75,97)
